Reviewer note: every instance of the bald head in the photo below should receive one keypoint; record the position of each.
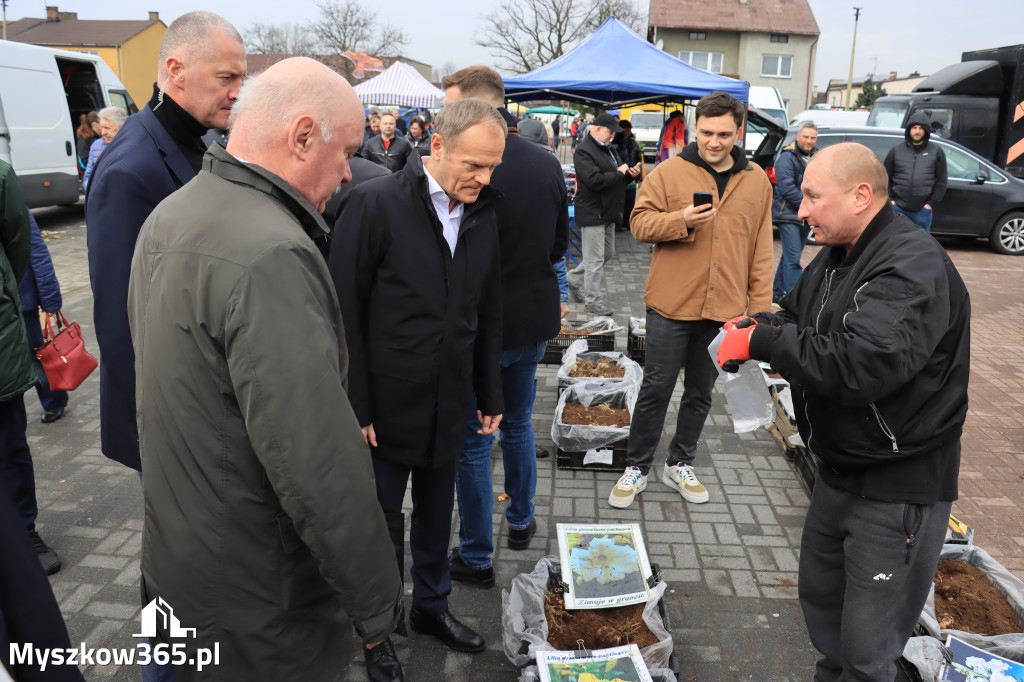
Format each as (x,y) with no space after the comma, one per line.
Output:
(844,188)
(302,121)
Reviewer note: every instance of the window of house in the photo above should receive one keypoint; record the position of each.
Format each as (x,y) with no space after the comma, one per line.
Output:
(709,61)
(777,65)
(698,35)
(779,38)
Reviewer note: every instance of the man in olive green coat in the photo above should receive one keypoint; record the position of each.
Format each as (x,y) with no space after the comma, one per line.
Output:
(17,477)
(262,527)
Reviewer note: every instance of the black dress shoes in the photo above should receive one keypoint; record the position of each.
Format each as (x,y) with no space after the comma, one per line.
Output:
(542,452)
(463,572)
(50,416)
(48,559)
(520,539)
(446,628)
(382,664)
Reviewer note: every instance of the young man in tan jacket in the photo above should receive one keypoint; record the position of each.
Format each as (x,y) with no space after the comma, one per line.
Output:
(711,262)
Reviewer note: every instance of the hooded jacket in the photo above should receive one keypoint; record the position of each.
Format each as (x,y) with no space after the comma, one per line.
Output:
(876,345)
(263,529)
(789,175)
(917,173)
(723,268)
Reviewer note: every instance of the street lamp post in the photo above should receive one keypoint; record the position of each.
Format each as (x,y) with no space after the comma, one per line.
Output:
(853,51)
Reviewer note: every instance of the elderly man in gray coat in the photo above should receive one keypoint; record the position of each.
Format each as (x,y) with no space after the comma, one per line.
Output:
(262,529)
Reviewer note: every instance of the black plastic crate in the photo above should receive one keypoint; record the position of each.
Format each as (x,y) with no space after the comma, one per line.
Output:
(574,460)
(557,345)
(636,347)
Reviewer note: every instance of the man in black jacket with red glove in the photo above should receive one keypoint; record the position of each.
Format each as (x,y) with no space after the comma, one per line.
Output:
(875,342)
(533,231)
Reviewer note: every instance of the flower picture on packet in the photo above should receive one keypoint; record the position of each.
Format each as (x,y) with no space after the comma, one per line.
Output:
(603,565)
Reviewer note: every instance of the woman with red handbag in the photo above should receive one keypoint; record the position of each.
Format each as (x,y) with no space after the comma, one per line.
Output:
(39,289)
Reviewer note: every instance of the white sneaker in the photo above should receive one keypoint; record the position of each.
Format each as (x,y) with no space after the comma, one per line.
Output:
(630,484)
(682,479)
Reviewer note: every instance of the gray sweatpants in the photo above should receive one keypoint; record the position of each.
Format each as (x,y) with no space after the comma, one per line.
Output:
(862,585)
(598,249)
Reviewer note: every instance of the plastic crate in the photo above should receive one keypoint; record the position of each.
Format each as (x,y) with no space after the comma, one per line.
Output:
(573,461)
(636,347)
(595,341)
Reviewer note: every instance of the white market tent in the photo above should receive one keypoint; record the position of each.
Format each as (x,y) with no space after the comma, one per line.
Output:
(400,85)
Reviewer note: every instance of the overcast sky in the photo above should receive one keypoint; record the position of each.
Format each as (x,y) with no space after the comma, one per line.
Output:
(893,35)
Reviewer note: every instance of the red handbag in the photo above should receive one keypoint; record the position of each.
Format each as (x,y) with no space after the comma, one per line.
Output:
(64,358)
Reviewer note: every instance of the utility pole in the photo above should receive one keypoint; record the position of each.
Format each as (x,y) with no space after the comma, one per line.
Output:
(4,3)
(853,51)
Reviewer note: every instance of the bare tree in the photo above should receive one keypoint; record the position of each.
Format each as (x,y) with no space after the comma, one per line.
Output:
(446,69)
(263,38)
(347,25)
(529,34)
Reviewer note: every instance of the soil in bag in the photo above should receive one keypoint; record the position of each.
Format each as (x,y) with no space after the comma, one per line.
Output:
(965,599)
(598,628)
(595,415)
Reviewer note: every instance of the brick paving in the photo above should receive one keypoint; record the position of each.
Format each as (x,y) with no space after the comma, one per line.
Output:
(730,564)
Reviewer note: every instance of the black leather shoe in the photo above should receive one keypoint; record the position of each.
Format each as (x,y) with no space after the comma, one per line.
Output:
(382,664)
(463,572)
(520,539)
(47,557)
(50,416)
(542,452)
(446,628)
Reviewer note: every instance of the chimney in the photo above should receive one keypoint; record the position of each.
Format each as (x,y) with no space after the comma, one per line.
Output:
(154,16)
(52,13)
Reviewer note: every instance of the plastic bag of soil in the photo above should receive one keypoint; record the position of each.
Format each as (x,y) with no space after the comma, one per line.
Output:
(530,674)
(524,629)
(633,375)
(1009,646)
(597,325)
(580,438)
(638,325)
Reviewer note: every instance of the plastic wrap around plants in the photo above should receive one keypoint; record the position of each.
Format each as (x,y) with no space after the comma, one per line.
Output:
(1008,646)
(596,325)
(580,437)
(524,629)
(638,325)
(577,350)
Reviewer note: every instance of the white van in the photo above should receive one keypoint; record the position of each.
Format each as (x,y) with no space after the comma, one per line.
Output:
(769,101)
(43,92)
(832,119)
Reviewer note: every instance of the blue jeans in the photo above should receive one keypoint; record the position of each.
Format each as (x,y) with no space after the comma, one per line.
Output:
(922,218)
(519,454)
(50,400)
(793,236)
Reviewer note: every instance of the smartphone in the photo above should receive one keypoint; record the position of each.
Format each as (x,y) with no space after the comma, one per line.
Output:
(702,198)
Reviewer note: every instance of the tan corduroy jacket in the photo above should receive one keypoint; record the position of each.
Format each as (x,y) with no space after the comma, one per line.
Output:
(723,268)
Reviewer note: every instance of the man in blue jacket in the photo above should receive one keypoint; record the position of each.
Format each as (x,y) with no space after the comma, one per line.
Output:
(202,62)
(789,174)
(39,289)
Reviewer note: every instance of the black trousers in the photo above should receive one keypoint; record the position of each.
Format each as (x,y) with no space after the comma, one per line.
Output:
(433,500)
(17,476)
(861,585)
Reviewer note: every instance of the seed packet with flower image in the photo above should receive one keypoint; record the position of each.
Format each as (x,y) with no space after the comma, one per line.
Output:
(603,565)
(621,664)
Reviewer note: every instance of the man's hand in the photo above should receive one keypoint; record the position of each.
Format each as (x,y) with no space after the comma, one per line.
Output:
(697,216)
(635,170)
(488,422)
(369,435)
(928,206)
(565,309)
(735,348)
(624,169)
(740,322)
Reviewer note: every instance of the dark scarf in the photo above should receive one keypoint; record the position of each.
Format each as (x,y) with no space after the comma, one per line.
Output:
(186,132)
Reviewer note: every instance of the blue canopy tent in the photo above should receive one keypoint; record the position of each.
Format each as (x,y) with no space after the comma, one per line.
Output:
(615,67)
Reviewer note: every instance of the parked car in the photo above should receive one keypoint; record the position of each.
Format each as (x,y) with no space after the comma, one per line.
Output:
(982,200)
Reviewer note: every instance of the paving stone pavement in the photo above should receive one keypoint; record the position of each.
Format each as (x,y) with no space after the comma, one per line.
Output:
(730,565)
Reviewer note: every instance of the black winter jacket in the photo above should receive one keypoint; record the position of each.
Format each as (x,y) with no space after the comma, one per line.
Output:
(917,174)
(533,231)
(393,158)
(876,345)
(600,189)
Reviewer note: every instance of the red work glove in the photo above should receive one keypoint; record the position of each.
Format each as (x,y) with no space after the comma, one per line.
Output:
(740,322)
(735,348)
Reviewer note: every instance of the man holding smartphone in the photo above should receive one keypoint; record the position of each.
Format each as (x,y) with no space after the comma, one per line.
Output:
(600,193)
(708,211)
